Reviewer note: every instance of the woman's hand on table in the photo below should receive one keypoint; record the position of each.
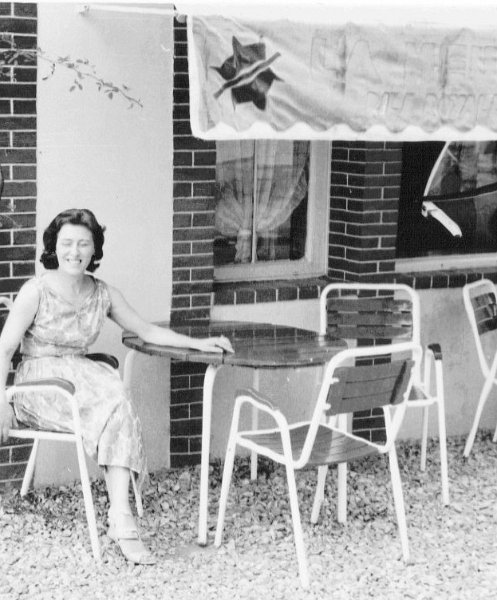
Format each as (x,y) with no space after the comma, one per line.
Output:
(214,344)
(127,318)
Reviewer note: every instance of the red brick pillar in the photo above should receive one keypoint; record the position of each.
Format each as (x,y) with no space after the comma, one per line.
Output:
(194,175)
(364,195)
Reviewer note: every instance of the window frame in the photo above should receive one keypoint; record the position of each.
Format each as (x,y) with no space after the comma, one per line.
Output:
(314,263)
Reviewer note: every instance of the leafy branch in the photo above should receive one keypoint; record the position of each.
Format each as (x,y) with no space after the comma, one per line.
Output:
(81,69)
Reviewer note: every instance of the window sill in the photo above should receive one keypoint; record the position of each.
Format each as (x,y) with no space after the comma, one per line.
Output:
(253,292)
(453,262)
(445,279)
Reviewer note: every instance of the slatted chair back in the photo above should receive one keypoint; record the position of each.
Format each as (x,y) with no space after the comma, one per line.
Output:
(360,379)
(483,301)
(370,313)
(364,387)
(480,302)
(7,303)
(5,306)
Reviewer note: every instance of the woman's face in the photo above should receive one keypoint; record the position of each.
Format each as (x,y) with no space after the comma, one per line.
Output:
(74,248)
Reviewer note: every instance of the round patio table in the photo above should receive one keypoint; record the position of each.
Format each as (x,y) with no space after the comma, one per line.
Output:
(257,346)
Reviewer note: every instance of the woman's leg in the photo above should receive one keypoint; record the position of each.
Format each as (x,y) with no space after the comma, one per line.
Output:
(117,480)
(122,525)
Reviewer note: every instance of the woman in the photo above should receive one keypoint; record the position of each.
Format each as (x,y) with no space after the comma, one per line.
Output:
(55,317)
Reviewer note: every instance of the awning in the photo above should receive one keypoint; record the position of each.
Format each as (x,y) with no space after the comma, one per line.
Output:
(349,70)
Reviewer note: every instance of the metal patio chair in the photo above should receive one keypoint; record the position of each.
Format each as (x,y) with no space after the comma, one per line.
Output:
(66,389)
(348,385)
(376,313)
(480,302)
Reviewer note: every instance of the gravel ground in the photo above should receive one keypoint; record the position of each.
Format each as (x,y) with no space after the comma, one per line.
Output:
(45,551)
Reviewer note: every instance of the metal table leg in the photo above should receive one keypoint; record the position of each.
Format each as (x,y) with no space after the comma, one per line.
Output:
(255,425)
(209,378)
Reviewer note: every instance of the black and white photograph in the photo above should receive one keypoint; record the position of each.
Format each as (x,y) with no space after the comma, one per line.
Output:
(248,300)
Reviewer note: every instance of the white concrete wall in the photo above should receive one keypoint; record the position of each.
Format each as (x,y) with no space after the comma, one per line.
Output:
(96,153)
(444,320)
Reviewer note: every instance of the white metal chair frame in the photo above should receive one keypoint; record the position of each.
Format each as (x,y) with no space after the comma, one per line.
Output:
(421,397)
(292,462)
(66,389)
(488,369)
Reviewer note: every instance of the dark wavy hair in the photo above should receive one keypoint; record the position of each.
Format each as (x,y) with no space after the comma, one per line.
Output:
(73,216)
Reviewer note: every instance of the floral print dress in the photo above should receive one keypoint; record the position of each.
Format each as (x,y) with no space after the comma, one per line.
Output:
(55,345)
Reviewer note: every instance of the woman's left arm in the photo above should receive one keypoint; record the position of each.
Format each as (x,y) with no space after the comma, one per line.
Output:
(127,318)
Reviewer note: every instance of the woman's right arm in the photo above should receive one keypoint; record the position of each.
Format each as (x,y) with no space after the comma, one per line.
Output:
(19,319)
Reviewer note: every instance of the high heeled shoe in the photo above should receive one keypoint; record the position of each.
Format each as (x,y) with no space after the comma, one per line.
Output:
(124,532)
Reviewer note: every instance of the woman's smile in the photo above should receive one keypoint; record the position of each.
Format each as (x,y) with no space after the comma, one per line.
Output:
(74,247)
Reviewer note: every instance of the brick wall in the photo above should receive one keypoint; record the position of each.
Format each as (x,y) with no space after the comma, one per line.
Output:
(193,191)
(364,196)
(18,201)
(187,382)
(193,261)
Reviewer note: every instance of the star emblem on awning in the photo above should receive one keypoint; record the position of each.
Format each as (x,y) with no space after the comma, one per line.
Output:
(247,74)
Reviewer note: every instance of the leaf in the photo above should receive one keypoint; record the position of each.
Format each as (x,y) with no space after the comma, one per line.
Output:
(14,56)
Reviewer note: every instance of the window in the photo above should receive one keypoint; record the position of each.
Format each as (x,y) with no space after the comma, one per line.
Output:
(271,209)
(448,205)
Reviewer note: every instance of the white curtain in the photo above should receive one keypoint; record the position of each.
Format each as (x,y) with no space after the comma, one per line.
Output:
(278,168)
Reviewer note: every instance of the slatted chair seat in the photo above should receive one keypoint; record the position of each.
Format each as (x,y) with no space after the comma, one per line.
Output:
(330,447)
(351,380)
(480,303)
